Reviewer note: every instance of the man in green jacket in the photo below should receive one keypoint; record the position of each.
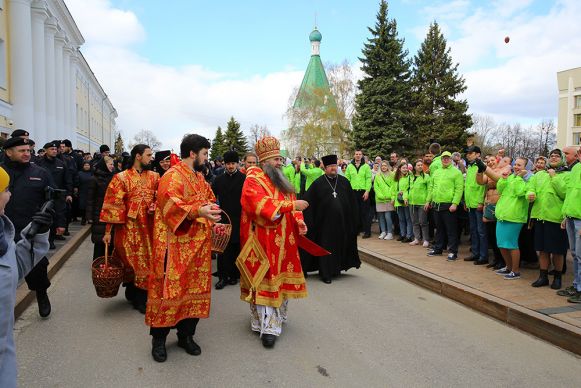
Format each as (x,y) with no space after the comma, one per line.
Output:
(444,195)
(474,199)
(311,173)
(359,175)
(292,172)
(435,150)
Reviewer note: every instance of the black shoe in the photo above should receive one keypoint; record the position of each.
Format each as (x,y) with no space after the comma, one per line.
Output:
(221,284)
(51,246)
(556,285)
(498,266)
(435,252)
(327,281)
(233,281)
(158,349)
(481,262)
(189,345)
(400,238)
(66,233)
(470,258)
(130,293)
(366,235)
(542,281)
(141,307)
(406,240)
(59,237)
(44,307)
(491,265)
(268,340)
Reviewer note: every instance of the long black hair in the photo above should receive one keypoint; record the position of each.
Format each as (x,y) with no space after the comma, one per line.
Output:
(139,149)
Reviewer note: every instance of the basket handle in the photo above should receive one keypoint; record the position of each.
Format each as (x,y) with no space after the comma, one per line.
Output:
(106,255)
(227,216)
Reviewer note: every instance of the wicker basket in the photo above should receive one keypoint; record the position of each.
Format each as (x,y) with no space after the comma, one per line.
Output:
(220,241)
(108,275)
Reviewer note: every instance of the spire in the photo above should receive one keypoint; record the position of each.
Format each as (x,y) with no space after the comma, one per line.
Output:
(315,37)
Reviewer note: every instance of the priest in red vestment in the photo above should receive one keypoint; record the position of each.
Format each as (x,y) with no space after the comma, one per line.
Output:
(270,225)
(128,208)
(181,267)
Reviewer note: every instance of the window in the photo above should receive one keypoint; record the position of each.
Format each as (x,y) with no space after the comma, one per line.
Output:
(576,138)
(577,120)
(577,102)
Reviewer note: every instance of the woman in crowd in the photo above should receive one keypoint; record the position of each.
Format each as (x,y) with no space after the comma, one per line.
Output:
(85,177)
(549,239)
(511,214)
(417,199)
(401,185)
(95,197)
(383,201)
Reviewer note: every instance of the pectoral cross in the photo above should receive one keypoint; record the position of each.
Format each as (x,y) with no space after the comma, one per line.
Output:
(334,194)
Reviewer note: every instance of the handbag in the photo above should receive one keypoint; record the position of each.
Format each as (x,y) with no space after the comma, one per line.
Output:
(489,212)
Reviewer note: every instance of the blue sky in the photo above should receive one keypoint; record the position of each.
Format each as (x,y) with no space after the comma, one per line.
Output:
(175,66)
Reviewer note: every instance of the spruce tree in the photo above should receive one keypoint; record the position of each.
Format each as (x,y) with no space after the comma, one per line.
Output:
(382,120)
(234,138)
(119,147)
(439,114)
(218,147)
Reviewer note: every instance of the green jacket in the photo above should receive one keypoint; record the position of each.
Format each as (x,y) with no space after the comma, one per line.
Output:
(294,178)
(512,205)
(311,173)
(403,185)
(382,187)
(473,192)
(418,193)
(446,185)
(548,203)
(436,164)
(360,179)
(570,187)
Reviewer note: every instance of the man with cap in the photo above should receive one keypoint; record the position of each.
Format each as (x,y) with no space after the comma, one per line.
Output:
(103,151)
(444,195)
(227,188)
(271,223)
(474,194)
(332,209)
(65,153)
(28,183)
(62,179)
(162,162)
(20,133)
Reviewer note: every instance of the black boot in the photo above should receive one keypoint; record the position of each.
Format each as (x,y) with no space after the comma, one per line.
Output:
(187,342)
(158,349)
(268,340)
(221,284)
(556,285)
(44,307)
(543,279)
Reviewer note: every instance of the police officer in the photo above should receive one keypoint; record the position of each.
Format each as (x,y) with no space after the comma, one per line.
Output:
(65,153)
(28,183)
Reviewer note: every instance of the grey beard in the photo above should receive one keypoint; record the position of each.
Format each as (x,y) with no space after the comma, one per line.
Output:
(278,179)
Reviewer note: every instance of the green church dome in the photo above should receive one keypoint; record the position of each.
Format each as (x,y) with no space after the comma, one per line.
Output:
(315,36)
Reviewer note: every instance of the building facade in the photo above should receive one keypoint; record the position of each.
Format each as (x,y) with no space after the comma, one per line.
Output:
(46,85)
(569,119)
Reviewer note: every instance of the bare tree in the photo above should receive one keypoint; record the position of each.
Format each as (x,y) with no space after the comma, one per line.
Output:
(343,87)
(257,132)
(146,137)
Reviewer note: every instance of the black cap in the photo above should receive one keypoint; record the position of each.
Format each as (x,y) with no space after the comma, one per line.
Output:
(19,132)
(329,160)
(104,148)
(67,143)
(15,142)
(473,148)
(231,157)
(51,144)
(162,155)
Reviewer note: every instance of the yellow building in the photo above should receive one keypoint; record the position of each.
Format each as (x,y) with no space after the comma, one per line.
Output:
(569,119)
(46,85)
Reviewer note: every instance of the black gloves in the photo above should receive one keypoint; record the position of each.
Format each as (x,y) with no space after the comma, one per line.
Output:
(42,220)
(480,164)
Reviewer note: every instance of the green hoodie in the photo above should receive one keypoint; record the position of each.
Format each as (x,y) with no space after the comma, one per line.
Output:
(512,205)
(311,173)
(473,192)
(294,178)
(570,187)
(446,185)
(418,194)
(436,164)
(402,185)
(548,204)
(360,179)
(382,187)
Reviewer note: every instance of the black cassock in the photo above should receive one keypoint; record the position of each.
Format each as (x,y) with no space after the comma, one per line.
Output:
(228,190)
(332,221)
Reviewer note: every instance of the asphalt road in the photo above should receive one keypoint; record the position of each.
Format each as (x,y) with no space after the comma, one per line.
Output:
(368,329)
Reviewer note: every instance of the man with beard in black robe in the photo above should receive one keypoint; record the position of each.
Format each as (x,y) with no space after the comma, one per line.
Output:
(331,219)
(227,188)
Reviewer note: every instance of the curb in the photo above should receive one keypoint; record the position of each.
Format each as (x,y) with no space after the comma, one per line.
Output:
(552,330)
(24,297)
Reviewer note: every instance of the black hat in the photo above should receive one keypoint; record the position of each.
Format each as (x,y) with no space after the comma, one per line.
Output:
(67,143)
(162,155)
(473,148)
(51,144)
(104,148)
(15,142)
(231,157)
(329,160)
(19,132)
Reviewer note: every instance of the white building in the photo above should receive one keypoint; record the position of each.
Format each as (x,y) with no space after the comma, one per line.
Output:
(569,119)
(46,85)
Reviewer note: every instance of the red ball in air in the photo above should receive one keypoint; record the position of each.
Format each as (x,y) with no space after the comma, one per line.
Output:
(506,39)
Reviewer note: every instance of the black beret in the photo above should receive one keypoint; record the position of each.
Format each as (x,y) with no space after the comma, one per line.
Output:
(329,160)
(231,157)
(104,148)
(67,143)
(15,142)
(51,144)
(19,132)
